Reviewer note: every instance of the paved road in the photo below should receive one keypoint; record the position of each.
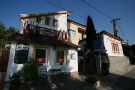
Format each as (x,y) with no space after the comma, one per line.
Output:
(117,82)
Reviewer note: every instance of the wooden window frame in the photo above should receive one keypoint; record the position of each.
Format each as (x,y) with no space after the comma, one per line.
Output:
(115,48)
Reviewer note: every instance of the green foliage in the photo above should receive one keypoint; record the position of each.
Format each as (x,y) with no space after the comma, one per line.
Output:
(29,70)
(90,34)
(5,34)
(92,79)
(15,76)
(2,27)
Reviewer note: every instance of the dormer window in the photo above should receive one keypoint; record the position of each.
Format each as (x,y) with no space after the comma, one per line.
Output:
(47,21)
(55,22)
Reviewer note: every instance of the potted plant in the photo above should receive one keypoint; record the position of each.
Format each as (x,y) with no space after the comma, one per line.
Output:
(15,81)
(30,72)
(94,81)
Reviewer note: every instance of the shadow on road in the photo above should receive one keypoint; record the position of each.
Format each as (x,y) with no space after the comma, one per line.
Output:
(117,82)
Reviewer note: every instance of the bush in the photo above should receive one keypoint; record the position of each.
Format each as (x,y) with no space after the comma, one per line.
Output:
(92,79)
(29,70)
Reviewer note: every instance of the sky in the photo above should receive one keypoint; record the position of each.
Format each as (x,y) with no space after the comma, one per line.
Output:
(124,9)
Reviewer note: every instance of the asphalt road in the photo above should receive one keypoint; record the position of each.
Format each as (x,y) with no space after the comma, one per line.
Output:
(117,82)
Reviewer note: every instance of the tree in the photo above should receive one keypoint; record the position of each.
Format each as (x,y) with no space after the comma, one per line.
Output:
(89,52)
(5,34)
(90,34)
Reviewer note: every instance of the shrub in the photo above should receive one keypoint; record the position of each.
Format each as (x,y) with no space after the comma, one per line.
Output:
(92,79)
(29,70)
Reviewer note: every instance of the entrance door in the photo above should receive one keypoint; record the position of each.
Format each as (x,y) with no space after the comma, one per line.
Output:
(41,59)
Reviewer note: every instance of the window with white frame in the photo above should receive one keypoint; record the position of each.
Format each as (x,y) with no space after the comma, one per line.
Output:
(72,33)
(55,22)
(38,19)
(47,20)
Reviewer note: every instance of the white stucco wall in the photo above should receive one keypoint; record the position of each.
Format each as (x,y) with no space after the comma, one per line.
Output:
(108,46)
(62,22)
(70,59)
(12,67)
(78,36)
(72,65)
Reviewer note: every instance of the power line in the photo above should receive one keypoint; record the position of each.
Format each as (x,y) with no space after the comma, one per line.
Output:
(122,31)
(106,26)
(63,8)
(91,6)
(77,14)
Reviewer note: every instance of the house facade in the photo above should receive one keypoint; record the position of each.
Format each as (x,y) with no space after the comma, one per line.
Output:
(76,31)
(112,45)
(43,38)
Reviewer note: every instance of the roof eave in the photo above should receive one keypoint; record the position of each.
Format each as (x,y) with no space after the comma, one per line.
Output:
(24,16)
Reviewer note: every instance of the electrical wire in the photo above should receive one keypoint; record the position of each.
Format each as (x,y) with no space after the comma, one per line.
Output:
(78,14)
(105,27)
(122,31)
(91,6)
(63,8)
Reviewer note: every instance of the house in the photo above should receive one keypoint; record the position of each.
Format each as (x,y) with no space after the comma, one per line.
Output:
(76,31)
(44,37)
(112,45)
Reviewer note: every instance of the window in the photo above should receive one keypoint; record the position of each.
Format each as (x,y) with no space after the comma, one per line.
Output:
(21,56)
(40,56)
(38,20)
(60,57)
(55,22)
(72,33)
(115,48)
(47,21)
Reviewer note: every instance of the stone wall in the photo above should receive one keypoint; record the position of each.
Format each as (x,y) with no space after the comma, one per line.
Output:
(118,63)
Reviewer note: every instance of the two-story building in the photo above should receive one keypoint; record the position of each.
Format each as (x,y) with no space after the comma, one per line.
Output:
(44,37)
(76,31)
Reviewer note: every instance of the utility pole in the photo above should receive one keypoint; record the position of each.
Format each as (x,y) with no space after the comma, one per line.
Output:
(115,26)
